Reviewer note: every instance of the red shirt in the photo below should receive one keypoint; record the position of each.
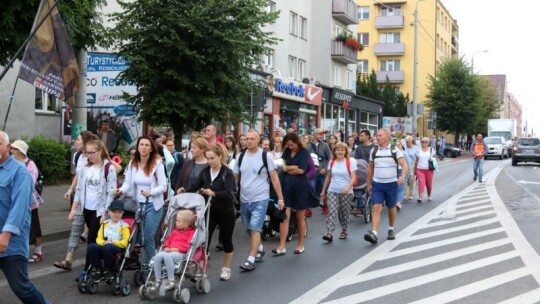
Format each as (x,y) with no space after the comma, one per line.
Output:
(180,239)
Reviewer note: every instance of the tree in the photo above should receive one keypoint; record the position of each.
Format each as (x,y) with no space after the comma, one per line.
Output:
(367,86)
(190,59)
(389,98)
(454,94)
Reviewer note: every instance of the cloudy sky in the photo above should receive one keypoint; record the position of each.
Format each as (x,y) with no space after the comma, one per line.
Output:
(509,33)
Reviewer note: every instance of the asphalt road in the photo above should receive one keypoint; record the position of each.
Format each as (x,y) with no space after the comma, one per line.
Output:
(456,247)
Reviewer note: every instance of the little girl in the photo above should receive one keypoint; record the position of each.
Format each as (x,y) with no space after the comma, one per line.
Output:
(175,247)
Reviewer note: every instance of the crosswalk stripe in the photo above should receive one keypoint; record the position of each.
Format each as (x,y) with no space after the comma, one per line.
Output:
(461,219)
(476,196)
(423,279)
(530,297)
(45,271)
(485,207)
(453,229)
(367,276)
(449,241)
(458,205)
(476,287)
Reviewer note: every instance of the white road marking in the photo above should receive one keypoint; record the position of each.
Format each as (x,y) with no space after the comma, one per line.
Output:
(453,229)
(528,182)
(473,209)
(461,219)
(530,297)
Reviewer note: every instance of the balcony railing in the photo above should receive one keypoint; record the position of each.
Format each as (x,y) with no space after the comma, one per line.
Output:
(389,49)
(387,22)
(393,76)
(345,11)
(343,53)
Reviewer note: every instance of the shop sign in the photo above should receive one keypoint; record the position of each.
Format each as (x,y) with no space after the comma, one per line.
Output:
(294,90)
(341,97)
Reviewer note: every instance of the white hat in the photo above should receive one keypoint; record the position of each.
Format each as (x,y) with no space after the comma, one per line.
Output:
(20,145)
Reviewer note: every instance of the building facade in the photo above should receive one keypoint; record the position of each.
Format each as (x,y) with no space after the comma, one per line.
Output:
(386,29)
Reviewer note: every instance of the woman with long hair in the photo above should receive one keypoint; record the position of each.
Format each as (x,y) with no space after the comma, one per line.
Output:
(296,190)
(332,141)
(340,177)
(278,149)
(192,168)
(145,180)
(351,145)
(242,142)
(217,181)
(421,169)
(232,149)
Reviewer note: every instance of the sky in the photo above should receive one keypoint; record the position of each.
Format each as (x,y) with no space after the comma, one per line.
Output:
(508,30)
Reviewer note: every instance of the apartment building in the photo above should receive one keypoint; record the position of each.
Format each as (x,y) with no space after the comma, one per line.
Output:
(386,29)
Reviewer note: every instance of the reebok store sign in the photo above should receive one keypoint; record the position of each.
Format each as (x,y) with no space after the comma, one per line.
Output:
(294,90)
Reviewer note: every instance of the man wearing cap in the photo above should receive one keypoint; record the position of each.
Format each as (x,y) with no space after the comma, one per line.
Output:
(15,202)
(323,152)
(107,135)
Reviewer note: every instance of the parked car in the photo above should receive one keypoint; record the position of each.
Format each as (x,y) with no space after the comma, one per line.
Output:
(452,151)
(496,147)
(526,150)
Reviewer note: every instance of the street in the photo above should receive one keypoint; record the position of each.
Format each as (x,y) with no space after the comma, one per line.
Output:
(474,243)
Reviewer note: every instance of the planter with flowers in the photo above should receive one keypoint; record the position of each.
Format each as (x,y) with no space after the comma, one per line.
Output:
(350,41)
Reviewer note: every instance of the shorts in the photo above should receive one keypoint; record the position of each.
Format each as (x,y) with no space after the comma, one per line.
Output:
(384,192)
(253,215)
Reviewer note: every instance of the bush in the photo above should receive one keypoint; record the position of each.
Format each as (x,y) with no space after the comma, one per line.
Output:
(51,157)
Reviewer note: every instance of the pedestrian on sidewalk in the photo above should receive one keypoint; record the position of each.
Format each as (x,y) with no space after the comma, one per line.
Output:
(382,182)
(401,187)
(324,153)
(19,151)
(479,151)
(16,194)
(442,146)
(338,186)
(421,169)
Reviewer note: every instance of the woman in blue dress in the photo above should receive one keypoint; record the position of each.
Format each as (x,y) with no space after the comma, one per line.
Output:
(297,191)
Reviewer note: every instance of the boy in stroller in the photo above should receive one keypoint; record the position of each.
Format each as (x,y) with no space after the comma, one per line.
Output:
(112,238)
(175,247)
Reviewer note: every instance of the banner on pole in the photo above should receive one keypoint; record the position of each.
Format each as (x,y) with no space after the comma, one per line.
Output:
(49,62)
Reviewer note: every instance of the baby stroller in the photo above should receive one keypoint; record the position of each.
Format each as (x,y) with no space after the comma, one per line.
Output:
(360,189)
(272,220)
(193,265)
(129,259)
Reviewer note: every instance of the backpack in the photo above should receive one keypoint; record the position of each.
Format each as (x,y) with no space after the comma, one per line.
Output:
(39,182)
(166,193)
(348,164)
(107,166)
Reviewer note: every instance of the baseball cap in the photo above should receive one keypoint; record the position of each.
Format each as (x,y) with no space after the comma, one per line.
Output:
(117,205)
(319,131)
(20,145)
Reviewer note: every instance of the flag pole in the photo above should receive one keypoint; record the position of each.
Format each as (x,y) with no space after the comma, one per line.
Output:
(23,46)
(10,101)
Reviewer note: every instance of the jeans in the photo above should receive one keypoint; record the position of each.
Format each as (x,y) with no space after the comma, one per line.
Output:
(152,219)
(106,253)
(478,165)
(318,182)
(15,268)
(253,215)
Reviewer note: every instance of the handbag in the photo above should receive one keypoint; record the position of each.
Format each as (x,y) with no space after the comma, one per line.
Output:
(431,165)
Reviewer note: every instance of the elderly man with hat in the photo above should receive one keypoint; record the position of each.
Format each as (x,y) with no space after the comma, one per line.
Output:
(19,150)
(324,154)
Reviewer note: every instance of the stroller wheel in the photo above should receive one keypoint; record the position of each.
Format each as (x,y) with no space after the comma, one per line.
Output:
(181,295)
(126,287)
(115,289)
(198,286)
(206,285)
(92,286)
(142,292)
(81,286)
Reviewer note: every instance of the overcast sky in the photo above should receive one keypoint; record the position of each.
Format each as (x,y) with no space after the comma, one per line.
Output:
(508,30)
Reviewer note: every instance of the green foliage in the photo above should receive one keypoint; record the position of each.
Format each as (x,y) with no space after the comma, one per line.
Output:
(51,157)
(16,18)
(395,103)
(454,93)
(367,86)
(190,59)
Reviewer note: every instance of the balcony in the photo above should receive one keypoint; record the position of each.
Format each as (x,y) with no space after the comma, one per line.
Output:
(345,11)
(343,53)
(389,49)
(389,22)
(393,76)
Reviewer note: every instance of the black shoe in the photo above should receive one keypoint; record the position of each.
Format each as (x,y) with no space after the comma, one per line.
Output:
(391,235)
(371,237)
(247,266)
(474,178)
(480,181)
(259,256)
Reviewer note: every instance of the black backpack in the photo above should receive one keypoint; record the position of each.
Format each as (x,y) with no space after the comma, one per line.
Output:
(39,182)
(392,150)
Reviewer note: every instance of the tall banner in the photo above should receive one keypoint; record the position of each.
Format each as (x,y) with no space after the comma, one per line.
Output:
(49,62)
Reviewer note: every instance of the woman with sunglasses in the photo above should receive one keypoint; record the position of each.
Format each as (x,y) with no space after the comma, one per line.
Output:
(411,150)
(421,168)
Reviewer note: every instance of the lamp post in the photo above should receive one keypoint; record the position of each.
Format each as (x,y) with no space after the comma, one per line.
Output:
(415,71)
(472,59)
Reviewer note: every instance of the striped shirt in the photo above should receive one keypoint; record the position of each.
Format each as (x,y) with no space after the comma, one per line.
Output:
(385,168)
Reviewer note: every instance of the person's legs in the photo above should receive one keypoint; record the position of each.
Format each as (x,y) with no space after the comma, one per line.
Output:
(256,222)
(301,224)
(429,182)
(168,259)
(377,199)
(411,186)
(284,229)
(15,268)
(480,169)
(93,255)
(476,163)
(151,223)
(109,253)
(158,263)
(333,201)
(421,182)
(345,210)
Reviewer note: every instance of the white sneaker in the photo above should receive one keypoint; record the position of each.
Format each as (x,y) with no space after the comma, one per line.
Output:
(225,274)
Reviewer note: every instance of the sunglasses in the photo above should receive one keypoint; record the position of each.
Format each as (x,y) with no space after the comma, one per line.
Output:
(424,142)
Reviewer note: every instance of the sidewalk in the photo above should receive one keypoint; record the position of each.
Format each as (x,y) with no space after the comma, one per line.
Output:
(53,214)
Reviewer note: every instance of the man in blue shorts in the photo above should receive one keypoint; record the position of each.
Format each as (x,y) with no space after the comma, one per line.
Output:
(253,178)
(382,183)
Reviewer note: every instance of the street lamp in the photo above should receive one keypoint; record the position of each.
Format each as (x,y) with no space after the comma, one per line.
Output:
(472,59)
(415,71)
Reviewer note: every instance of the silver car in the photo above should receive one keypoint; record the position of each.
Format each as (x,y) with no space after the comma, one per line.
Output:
(496,147)
(526,150)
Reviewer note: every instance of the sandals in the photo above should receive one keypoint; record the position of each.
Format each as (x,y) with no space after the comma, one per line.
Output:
(259,256)
(169,285)
(343,235)
(247,266)
(328,237)
(66,265)
(37,257)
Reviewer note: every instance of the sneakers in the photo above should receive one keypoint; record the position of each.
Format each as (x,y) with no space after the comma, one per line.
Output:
(398,206)
(308,213)
(391,235)
(371,237)
(225,274)
(169,285)
(325,209)
(474,178)
(247,266)
(259,256)
(358,212)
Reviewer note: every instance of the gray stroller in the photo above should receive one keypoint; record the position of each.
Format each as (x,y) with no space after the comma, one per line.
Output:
(193,265)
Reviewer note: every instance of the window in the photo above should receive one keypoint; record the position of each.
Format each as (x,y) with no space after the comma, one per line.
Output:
(337,76)
(351,123)
(46,103)
(303,28)
(390,38)
(362,67)
(337,30)
(369,122)
(349,79)
(363,13)
(293,26)
(292,66)
(363,38)
(332,118)
(389,65)
(301,69)
(391,10)
(270,7)
(267,58)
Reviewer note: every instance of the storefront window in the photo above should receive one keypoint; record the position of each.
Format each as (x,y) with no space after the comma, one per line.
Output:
(369,121)
(300,117)
(333,118)
(351,123)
